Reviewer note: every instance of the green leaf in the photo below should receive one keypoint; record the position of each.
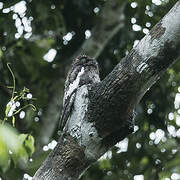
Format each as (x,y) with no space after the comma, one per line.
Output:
(8,107)
(25,148)
(21,146)
(8,142)
(105,164)
(29,145)
(1,53)
(4,156)
(13,121)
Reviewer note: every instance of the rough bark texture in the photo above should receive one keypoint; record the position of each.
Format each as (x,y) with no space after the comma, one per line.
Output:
(103,112)
(66,161)
(109,22)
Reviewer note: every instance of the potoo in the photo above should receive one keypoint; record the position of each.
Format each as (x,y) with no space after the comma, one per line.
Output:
(84,70)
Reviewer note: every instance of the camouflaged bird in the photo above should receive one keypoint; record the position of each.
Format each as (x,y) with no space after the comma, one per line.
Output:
(84,70)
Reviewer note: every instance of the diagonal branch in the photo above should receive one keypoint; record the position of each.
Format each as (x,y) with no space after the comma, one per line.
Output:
(123,88)
(108,24)
(103,112)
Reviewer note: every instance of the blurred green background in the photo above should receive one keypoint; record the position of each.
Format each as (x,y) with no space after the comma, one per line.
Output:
(38,38)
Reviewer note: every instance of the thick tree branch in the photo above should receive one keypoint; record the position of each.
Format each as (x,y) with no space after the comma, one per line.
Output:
(109,23)
(103,112)
(123,88)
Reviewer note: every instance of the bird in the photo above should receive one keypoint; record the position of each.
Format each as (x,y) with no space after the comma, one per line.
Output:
(83,71)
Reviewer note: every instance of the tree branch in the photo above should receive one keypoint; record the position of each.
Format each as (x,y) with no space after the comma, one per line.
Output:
(103,112)
(109,23)
(123,88)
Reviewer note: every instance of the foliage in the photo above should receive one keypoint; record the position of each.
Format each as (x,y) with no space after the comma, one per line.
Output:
(27,35)
(14,146)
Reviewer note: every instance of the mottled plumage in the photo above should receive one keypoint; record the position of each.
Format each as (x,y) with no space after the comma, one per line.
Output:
(84,70)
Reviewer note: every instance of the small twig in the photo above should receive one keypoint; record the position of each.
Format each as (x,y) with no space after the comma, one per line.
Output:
(14,82)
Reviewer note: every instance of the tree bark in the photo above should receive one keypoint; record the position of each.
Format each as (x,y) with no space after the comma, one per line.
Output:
(110,21)
(103,112)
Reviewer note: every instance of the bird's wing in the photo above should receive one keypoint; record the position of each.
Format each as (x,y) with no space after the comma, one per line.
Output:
(68,105)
